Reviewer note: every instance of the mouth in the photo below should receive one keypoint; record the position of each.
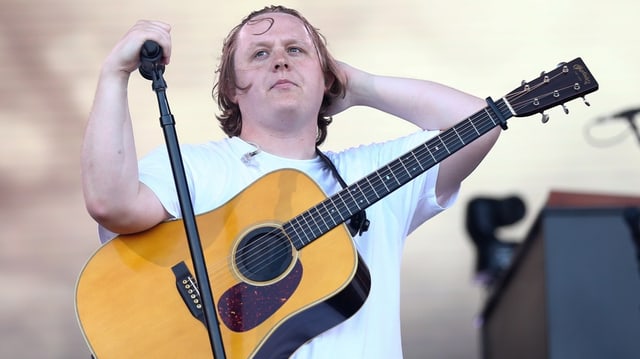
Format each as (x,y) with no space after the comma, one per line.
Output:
(283,83)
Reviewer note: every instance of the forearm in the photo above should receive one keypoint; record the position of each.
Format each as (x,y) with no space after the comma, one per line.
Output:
(427,104)
(431,106)
(109,161)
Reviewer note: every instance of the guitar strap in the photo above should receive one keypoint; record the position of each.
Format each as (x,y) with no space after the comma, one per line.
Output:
(358,223)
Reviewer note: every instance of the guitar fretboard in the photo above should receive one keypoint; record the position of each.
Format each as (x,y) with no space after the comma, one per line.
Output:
(318,220)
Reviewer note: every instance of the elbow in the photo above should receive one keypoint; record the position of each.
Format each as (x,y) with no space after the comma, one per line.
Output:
(125,216)
(110,216)
(102,212)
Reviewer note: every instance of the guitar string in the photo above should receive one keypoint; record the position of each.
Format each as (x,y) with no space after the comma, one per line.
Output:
(466,127)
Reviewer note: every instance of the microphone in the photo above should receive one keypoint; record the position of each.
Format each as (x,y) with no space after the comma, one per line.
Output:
(150,59)
(628,115)
(632,218)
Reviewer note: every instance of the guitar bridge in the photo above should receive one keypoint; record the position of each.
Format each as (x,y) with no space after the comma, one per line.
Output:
(188,290)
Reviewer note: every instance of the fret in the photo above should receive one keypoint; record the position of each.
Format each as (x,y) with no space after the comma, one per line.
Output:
(362,198)
(457,134)
(345,205)
(350,205)
(431,153)
(474,126)
(335,211)
(444,144)
(295,228)
(435,148)
(354,198)
(393,173)
(301,225)
(383,180)
(416,167)
(314,214)
(323,218)
(372,187)
(491,117)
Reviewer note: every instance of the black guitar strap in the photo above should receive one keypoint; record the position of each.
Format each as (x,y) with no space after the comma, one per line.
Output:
(358,223)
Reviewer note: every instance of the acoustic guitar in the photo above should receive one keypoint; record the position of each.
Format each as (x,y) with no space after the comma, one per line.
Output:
(282,265)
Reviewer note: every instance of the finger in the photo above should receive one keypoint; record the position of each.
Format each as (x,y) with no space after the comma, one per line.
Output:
(157,31)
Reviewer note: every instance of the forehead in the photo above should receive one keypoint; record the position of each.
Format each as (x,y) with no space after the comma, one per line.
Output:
(271,25)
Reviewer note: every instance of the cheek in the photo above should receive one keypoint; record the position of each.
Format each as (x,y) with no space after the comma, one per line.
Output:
(242,79)
(242,85)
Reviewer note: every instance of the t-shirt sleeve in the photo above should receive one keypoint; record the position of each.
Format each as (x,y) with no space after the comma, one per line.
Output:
(154,170)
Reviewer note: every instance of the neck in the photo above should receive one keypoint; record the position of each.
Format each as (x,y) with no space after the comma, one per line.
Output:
(287,146)
(290,134)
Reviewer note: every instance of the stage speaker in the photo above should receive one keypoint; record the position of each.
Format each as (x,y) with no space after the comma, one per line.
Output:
(572,291)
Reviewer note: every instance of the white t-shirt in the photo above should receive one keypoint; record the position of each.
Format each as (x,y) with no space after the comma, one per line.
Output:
(216,173)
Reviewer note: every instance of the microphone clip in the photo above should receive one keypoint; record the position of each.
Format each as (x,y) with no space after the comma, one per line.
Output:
(151,67)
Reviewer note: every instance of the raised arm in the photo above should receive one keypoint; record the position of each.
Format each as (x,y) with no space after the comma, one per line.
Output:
(114,197)
(428,105)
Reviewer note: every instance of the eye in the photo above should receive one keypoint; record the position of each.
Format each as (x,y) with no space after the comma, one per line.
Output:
(295,50)
(260,54)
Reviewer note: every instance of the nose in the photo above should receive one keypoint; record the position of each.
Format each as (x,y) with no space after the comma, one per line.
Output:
(281,63)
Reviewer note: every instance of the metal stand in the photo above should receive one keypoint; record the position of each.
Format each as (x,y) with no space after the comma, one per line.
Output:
(152,69)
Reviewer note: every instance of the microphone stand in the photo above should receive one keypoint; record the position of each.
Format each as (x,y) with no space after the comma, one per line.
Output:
(634,129)
(632,218)
(152,69)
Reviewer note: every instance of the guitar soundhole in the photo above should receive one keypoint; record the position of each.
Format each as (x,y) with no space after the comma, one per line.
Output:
(263,254)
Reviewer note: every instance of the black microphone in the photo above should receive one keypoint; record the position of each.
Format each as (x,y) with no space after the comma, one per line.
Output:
(150,59)
(628,115)
(632,218)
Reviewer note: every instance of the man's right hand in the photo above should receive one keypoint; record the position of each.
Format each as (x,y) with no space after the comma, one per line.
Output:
(125,56)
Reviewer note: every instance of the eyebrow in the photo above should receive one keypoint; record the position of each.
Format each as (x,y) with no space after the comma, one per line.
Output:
(287,41)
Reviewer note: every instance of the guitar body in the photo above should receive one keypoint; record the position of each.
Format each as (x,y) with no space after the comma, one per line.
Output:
(130,303)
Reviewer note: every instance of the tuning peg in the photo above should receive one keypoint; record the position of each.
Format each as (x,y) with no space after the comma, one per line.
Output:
(545,118)
(585,101)
(566,110)
(545,77)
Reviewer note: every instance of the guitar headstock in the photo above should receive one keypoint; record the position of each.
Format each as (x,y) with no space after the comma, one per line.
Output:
(564,83)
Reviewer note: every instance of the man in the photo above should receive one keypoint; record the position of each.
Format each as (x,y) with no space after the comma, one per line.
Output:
(278,87)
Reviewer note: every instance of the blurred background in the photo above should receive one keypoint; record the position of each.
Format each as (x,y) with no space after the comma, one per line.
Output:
(50,57)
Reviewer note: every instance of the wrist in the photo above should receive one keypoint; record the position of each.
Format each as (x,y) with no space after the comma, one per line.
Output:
(113,75)
(361,89)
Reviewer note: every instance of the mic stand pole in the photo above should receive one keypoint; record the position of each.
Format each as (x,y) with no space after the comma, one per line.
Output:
(168,125)
(632,218)
(634,129)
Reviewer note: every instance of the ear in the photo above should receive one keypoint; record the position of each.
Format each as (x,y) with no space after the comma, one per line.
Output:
(329,80)
(235,94)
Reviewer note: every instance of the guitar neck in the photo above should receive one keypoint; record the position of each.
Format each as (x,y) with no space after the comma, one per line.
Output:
(318,220)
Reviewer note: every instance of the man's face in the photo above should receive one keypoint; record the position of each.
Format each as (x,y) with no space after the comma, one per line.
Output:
(279,64)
